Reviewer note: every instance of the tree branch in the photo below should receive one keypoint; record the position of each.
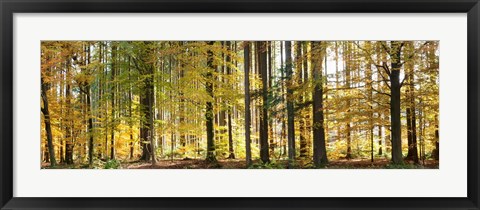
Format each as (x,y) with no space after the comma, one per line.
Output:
(380,92)
(385,47)
(385,80)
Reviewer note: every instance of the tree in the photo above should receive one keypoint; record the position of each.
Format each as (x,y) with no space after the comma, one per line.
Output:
(290,111)
(231,152)
(319,148)
(195,101)
(46,114)
(299,64)
(209,105)
(112,99)
(395,56)
(262,64)
(69,120)
(410,110)
(145,66)
(246,57)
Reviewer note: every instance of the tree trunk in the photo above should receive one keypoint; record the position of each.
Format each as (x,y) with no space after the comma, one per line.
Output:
(231,152)
(90,126)
(369,89)
(113,89)
(301,121)
(348,59)
(262,64)
(209,105)
(395,103)
(48,129)
(319,147)
(130,120)
(290,111)
(246,58)
(410,111)
(146,103)
(284,124)
(436,152)
(69,121)
(380,135)
(270,134)
(308,119)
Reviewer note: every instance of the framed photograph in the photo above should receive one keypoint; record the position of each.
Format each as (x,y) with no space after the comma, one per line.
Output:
(239,105)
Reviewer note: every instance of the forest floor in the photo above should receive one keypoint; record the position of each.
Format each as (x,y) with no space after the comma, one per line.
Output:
(241,164)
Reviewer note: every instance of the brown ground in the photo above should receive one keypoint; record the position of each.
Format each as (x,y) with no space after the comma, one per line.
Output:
(240,164)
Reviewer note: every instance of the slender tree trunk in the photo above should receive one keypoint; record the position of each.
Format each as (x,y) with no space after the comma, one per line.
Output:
(369,89)
(410,111)
(88,94)
(347,54)
(284,124)
(380,146)
(301,121)
(308,117)
(290,111)
(209,115)
(270,134)
(113,89)
(262,61)
(69,123)
(319,147)
(231,151)
(130,114)
(90,127)
(246,58)
(46,114)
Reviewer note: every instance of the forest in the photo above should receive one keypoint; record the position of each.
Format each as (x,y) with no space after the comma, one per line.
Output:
(239,104)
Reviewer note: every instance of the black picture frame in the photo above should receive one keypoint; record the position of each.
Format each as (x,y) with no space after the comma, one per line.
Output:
(9,7)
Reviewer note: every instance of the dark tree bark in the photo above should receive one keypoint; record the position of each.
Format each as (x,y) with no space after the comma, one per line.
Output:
(380,146)
(231,151)
(290,111)
(209,115)
(410,110)
(262,64)
(246,57)
(395,85)
(91,149)
(145,66)
(48,128)
(69,121)
(319,147)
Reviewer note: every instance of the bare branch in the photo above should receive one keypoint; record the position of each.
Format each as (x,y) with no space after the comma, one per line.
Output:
(380,92)
(385,47)
(385,80)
